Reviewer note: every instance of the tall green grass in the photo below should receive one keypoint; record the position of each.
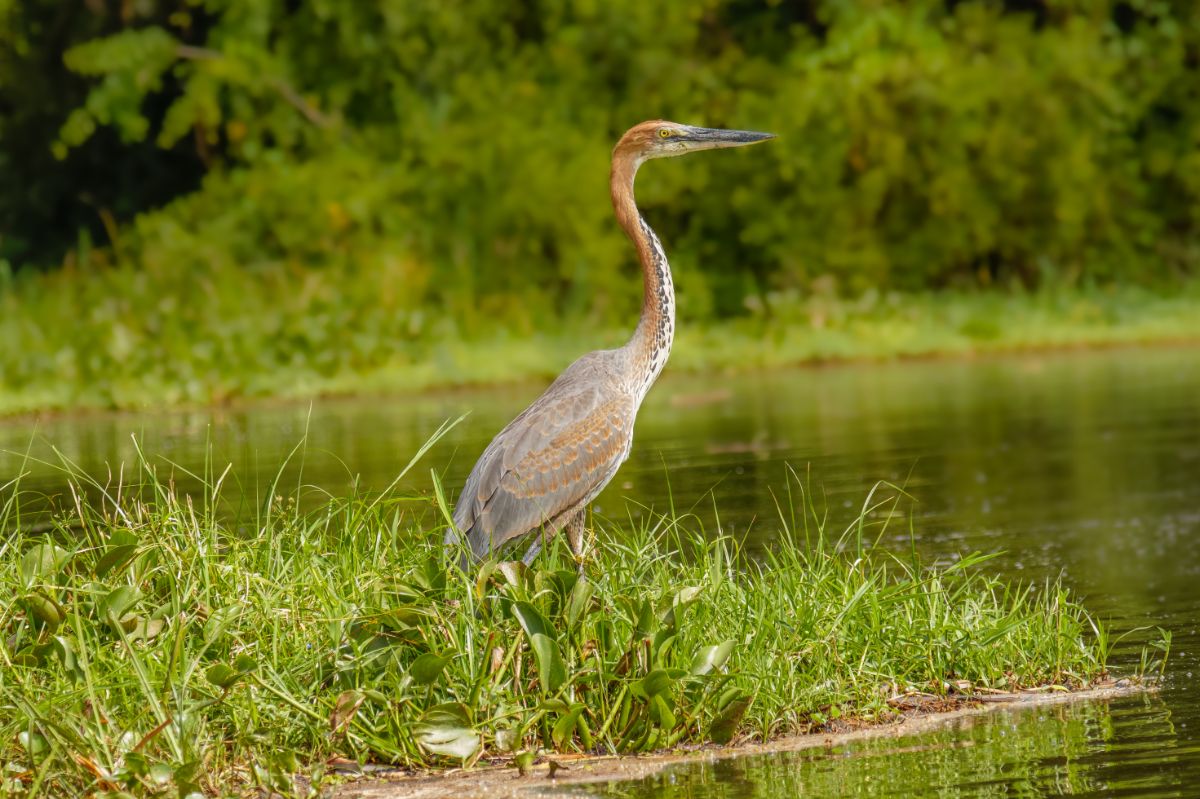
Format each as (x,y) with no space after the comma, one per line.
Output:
(168,335)
(158,643)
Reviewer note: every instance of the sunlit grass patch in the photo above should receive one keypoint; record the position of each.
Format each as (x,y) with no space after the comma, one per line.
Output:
(156,643)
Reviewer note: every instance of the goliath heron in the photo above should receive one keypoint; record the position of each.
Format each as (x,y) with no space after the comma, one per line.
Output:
(541,471)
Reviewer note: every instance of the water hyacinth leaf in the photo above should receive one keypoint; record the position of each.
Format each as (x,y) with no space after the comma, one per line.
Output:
(486,569)
(646,624)
(40,561)
(660,712)
(681,599)
(577,603)
(531,620)
(120,550)
(506,740)
(219,621)
(34,743)
(732,705)
(222,675)
(515,572)
(427,668)
(552,672)
(446,730)
(44,609)
(709,658)
(564,728)
(656,682)
(114,606)
(663,642)
(145,629)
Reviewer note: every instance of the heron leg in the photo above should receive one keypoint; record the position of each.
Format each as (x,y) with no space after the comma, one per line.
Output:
(577,537)
(543,536)
(538,539)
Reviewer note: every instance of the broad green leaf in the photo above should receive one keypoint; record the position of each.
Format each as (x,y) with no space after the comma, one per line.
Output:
(482,578)
(660,712)
(523,761)
(724,725)
(551,671)
(33,743)
(219,621)
(44,609)
(427,668)
(646,624)
(161,774)
(711,657)
(506,740)
(446,730)
(114,606)
(564,728)
(222,675)
(403,617)
(577,603)
(41,561)
(143,628)
(65,651)
(515,572)
(122,546)
(656,682)
(532,621)
(663,642)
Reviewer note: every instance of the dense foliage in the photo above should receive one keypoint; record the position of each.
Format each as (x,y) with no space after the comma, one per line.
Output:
(921,143)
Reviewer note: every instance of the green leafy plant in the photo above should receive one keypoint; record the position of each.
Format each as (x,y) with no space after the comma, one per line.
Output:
(161,643)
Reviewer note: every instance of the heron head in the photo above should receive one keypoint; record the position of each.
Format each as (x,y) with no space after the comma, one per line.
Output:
(661,139)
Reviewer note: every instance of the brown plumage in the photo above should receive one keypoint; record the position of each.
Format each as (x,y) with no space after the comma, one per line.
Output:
(541,471)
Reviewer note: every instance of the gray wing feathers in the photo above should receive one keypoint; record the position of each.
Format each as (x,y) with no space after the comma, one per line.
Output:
(551,459)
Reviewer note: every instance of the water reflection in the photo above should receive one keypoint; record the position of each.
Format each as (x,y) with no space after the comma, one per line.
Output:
(1127,748)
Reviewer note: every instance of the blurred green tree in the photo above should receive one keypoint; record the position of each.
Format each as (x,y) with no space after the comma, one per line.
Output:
(923,144)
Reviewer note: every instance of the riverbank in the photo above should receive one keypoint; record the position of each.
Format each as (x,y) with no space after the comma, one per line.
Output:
(124,339)
(164,641)
(503,780)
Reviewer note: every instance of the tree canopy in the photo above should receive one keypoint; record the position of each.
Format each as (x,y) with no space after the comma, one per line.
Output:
(922,144)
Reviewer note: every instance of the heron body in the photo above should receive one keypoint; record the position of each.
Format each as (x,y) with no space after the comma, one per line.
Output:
(541,471)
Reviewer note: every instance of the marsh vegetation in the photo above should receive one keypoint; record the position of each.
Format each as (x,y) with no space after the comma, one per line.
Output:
(160,642)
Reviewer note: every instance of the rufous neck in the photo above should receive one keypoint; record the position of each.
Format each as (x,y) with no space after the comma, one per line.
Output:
(651,341)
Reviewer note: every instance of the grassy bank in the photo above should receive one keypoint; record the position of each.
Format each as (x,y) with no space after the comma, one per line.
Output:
(130,337)
(154,643)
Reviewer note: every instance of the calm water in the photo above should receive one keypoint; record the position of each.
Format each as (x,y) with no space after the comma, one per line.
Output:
(1085,465)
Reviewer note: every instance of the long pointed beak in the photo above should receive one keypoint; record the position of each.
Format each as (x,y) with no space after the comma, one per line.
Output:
(706,138)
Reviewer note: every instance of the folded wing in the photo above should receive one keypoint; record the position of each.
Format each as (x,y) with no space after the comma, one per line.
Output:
(546,464)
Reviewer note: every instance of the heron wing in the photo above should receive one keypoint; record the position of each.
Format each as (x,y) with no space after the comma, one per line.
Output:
(552,458)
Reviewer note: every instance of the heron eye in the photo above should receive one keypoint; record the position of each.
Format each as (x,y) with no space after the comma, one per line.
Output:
(664,133)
